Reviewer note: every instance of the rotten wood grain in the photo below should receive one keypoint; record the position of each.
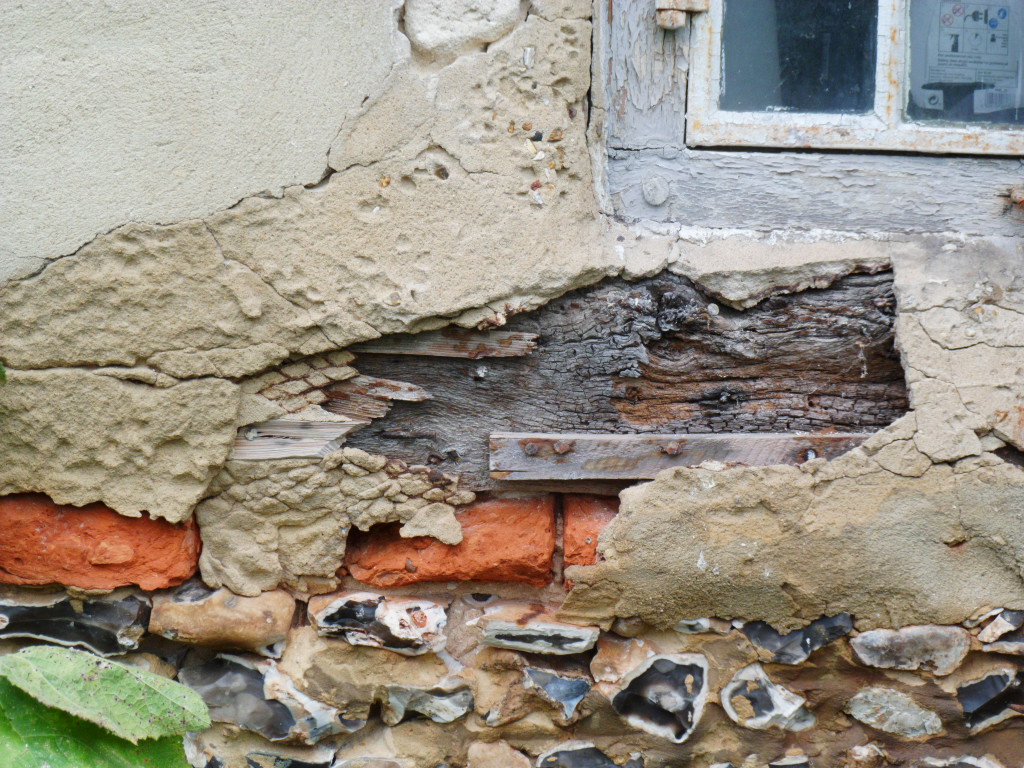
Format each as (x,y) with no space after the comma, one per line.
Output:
(533,456)
(651,357)
(363,398)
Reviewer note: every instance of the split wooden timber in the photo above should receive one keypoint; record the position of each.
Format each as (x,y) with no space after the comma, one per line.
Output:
(540,456)
(453,342)
(291,439)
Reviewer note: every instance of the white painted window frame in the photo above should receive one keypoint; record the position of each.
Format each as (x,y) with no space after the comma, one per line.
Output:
(882,129)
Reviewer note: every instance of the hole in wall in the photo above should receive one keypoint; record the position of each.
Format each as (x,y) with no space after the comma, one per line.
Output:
(652,357)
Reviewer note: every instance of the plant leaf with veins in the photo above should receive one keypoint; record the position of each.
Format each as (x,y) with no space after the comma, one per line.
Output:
(33,735)
(130,702)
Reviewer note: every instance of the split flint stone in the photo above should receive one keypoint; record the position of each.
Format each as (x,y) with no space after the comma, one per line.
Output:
(107,626)
(408,626)
(959,762)
(1006,621)
(936,649)
(991,699)
(532,628)
(581,754)
(693,626)
(566,692)
(703,626)
(253,694)
(1004,634)
(200,760)
(438,704)
(791,761)
(766,704)
(894,712)
(796,647)
(978,620)
(1011,643)
(270,760)
(664,695)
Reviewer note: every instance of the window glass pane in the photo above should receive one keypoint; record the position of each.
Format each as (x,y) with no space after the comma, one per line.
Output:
(799,55)
(965,61)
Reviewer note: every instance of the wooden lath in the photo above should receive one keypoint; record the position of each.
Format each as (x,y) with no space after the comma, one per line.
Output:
(542,456)
(364,398)
(291,439)
(453,342)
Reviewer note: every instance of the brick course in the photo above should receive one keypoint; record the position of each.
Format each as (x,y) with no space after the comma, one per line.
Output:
(503,540)
(91,547)
(585,517)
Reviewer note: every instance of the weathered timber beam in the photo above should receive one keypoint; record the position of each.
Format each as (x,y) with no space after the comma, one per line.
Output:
(541,456)
(453,342)
(291,439)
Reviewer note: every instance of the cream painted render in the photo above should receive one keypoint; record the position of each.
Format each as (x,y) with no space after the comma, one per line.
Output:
(157,112)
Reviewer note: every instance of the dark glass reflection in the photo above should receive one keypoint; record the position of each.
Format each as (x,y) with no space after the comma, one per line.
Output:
(965,62)
(799,55)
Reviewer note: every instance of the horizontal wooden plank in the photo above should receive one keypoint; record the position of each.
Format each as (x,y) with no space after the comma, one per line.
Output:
(291,439)
(544,456)
(453,342)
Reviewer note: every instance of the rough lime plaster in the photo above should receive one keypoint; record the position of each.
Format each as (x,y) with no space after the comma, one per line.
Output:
(83,436)
(314,269)
(267,523)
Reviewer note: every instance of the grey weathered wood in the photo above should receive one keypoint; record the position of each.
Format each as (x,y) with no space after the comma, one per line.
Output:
(363,398)
(453,342)
(290,438)
(654,356)
(846,192)
(645,74)
(537,456)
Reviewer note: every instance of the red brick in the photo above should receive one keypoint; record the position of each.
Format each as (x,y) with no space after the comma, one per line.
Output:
(503,540)
(585,518)
(92,547)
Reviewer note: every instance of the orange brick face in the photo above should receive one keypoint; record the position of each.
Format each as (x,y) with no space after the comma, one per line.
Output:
(585,518)
(92,547)
(503,540)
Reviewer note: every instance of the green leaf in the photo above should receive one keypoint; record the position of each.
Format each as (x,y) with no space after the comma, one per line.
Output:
(131,702)
(34,736)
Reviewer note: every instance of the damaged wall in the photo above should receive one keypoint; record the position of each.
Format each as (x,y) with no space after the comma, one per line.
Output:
(245,195)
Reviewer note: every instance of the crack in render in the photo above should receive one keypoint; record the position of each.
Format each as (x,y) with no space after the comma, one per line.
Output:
(47,262)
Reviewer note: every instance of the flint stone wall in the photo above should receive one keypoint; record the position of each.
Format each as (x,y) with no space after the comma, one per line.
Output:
(188,250)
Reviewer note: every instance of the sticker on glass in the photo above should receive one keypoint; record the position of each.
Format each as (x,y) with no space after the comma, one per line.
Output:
(966,60)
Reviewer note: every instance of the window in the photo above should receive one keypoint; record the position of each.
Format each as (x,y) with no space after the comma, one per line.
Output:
(909,75)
